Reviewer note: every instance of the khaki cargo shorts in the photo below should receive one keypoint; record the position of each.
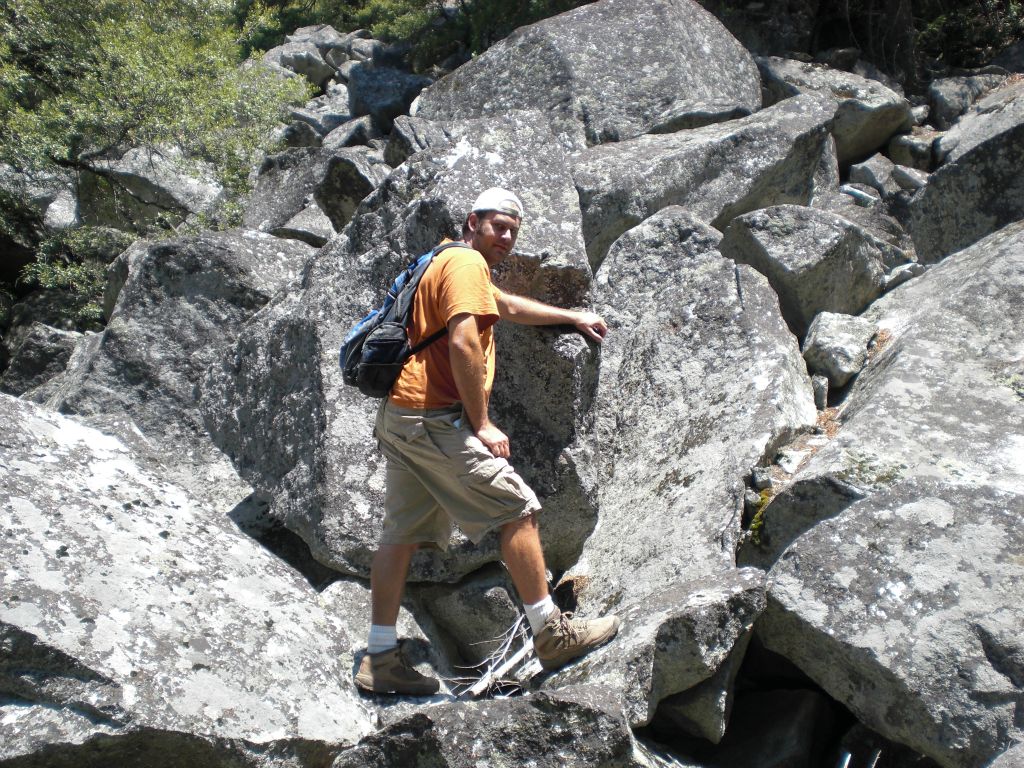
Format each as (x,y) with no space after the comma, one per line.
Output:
(438,472)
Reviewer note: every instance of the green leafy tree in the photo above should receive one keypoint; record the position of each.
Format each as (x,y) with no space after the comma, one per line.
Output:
(80,79)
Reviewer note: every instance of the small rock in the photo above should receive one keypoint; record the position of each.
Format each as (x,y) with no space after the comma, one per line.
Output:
(837,346)
(819,384)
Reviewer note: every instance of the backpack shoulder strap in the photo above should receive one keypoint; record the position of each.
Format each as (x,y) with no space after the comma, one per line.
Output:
(443,330)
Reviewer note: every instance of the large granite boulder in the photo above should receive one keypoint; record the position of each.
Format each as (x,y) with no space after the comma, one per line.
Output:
(134,189)
(837,346)
(816,261)
(384,93)
(898,592)
(672,640)
(573,728)
(603,73)
(276,403)
(133,616)
(718,172)
(302,57)
(181,305)
(700,380)
(979,187)
(950,97)
(289,182)
(868,113)
(42,355)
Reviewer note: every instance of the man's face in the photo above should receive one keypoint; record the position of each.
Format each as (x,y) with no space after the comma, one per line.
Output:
(493,234)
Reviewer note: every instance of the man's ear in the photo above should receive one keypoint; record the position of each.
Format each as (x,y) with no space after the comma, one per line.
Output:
(473,221)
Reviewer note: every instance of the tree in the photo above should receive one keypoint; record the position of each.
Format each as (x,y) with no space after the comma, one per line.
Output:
(80,79)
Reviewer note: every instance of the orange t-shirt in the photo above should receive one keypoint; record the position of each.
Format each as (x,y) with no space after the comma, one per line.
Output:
(457,281)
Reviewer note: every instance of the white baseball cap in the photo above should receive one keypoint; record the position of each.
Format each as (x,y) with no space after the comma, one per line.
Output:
(500,200)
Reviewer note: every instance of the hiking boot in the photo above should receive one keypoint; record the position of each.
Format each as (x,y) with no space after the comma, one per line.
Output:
(389,672)
(565,638)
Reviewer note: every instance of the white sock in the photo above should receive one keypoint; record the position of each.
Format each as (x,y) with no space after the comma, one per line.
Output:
(381,638)
(538,613)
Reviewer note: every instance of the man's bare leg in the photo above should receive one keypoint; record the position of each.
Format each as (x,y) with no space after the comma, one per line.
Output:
(522,553)
(387,581)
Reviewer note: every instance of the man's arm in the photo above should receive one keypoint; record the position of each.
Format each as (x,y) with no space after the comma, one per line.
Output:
(519,309)
(470,372)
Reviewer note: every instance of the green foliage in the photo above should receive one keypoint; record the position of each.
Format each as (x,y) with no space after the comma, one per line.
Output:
(968,34)
(81,78)
(75,262)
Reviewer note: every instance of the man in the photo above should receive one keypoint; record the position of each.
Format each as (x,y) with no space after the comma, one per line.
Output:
(447,461)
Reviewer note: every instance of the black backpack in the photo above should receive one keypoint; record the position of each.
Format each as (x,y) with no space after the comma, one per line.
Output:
(376,348)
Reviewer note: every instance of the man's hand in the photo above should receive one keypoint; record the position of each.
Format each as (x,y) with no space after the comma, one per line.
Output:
(495,440)
(591,324)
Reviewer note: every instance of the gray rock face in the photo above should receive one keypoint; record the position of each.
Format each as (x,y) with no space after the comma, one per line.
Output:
(876,172)
(602,73)
(382,92)
(43,354)
(576,727)
(303,58)
(349,176)
(815,260)
(410,135)
(979,188)
(277,404)
(914,150)
(692,360)
(325,113)
(1011,758)
(950,97)
(717,172)
(111,620)
(672,640)
(180,306)
(906,600)
(704,709)
(361,130)
(837,346)
(310,225)
(143,184)
(868,113)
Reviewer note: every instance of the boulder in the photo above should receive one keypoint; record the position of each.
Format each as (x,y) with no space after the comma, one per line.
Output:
(978,188)
(336,179)
(876,172)
(130,610)
(868,113)
(478,614)
(300,134)
(43,354)
(323,36)
(703,710)
(950,97)
(276,402)
(574,728)
(672,640)
(603,73)
(1011,758)
(135,189)
(815,260)
(181,305)
(325,113)
(302,58)
(410,135)
(310,225)
(384,93)
(700,380)
(718,172)
(349,176)
(898,590)
(361,130)
(837,346)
